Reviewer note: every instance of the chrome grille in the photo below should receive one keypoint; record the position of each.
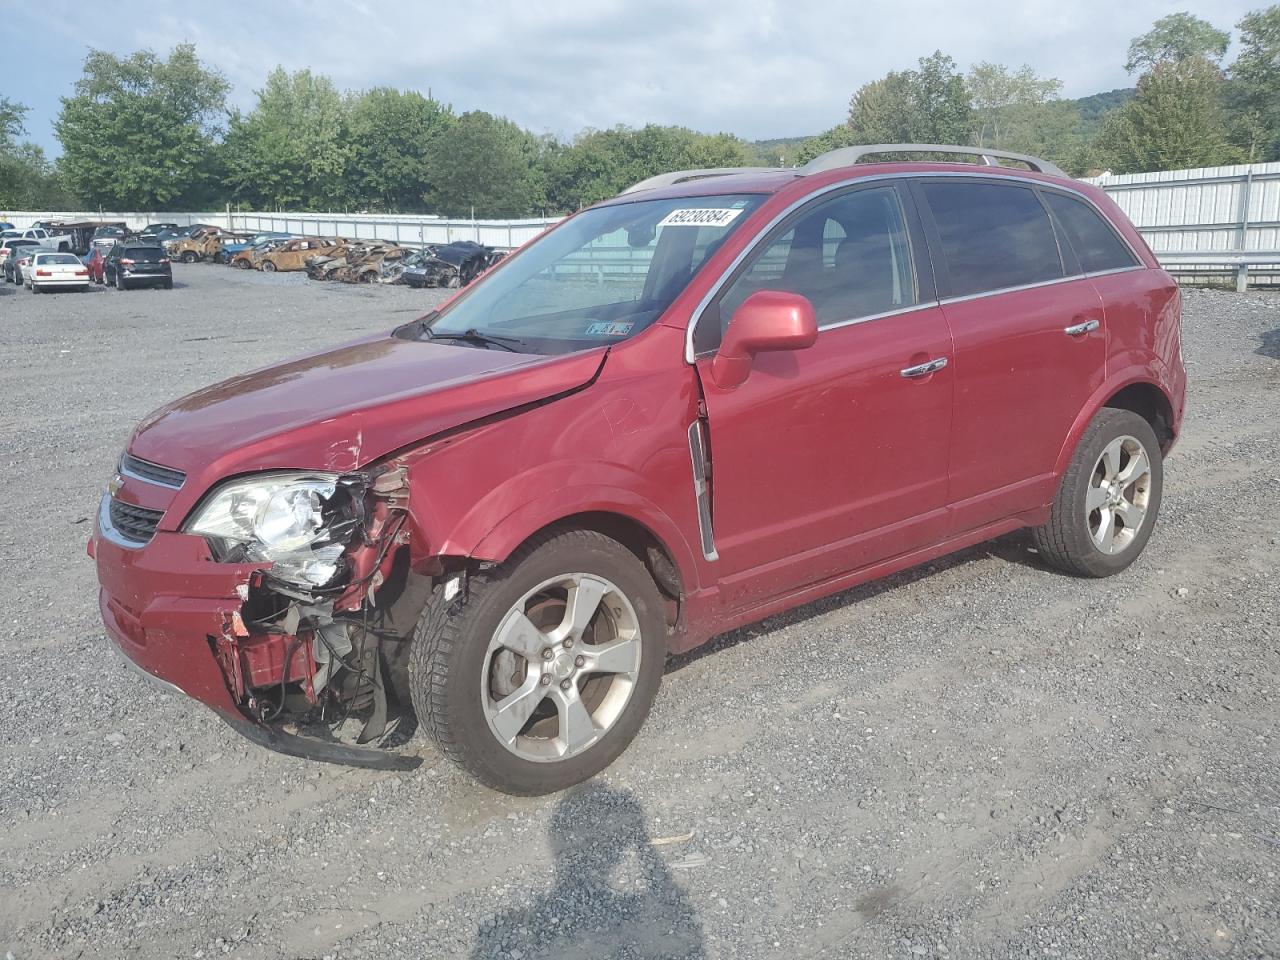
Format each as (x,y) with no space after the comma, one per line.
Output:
(151,472)
(137,524)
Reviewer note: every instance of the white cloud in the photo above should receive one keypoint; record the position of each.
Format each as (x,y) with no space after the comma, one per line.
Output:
(758,68)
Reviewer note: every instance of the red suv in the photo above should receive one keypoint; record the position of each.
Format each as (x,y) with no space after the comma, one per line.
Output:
(717,396)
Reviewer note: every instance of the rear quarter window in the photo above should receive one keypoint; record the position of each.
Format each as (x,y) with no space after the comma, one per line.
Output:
(1094,241)
(994,236)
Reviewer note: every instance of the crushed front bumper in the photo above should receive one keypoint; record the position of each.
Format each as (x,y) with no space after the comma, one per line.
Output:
(166,604)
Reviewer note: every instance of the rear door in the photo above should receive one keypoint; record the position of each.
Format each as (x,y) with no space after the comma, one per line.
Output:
(831,458)
(1030,341)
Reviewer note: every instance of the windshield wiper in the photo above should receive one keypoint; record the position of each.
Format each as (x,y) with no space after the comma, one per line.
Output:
(475,336)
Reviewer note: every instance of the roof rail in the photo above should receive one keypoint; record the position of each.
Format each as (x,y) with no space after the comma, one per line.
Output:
(680,176)
(848,156)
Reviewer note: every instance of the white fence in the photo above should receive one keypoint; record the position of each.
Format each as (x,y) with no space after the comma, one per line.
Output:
(405,229)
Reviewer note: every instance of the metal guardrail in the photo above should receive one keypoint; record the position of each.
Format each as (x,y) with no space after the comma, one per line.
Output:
(1195,261)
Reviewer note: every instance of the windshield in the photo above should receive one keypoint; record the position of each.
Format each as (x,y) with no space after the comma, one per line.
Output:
(602,277)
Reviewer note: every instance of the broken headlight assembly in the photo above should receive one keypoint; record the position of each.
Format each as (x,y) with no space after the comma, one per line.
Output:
(299,522)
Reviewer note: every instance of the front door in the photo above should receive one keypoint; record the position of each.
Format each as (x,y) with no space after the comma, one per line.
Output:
(831,458)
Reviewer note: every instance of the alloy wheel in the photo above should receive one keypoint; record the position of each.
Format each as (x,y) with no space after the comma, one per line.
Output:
(561,667)
(1118,494)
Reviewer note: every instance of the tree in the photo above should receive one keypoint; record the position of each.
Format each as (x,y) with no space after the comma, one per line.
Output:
(1005,100)
(943,114)
(926,105)
(484,164)
(1177,37)
(391,135)
(12,117)
(139,132)
(1254,90)
(602,163)
(1175,121)
(292,150)
(886,110)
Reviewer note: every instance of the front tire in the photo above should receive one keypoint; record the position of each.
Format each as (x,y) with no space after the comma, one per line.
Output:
(1109,498)
(540,672)
(268,266)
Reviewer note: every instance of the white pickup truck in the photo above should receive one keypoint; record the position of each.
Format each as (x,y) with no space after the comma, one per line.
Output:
(52,241)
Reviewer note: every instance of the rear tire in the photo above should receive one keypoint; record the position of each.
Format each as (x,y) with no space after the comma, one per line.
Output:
(268,266)
(1108,500)
(465,684)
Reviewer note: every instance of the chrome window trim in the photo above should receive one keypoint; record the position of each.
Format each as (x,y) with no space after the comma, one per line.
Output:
(125,471)
(1107,273)
(691,357)
(898,311)
(108,530)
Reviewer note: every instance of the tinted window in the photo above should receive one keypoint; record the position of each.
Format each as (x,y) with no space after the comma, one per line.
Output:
(59,258)
(850,256)
(1095,243)
(144,254)
(993,236)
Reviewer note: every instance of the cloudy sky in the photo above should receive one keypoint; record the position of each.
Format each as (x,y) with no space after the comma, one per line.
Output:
(757,68)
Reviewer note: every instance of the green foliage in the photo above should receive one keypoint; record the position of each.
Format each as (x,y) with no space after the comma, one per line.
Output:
(11,122)
(484,164)
(1253,93)
(391,134)
(292,150)
(1175,121)
(1008,102)
(1177,37)
(139,132)
(602,163)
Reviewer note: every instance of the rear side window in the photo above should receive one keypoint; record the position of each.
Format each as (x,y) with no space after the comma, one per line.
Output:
(1096,245)
(993,236)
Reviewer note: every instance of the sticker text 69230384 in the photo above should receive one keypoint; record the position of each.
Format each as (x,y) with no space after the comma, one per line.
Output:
(710,217)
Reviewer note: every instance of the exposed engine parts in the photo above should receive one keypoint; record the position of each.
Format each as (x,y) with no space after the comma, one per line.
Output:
(316,640)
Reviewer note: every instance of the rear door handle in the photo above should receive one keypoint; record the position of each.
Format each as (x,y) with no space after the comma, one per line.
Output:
(924,369)
(1078,328)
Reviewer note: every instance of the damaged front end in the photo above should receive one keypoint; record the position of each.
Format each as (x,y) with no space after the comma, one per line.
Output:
(316,640)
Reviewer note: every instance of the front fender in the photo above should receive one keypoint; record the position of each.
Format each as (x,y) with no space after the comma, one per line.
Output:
(554,492)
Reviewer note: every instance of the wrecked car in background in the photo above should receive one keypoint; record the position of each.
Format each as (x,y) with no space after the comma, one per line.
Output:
(250,257)
(359,262)
(451,265)
(204,243)
(293,255)
(231,248)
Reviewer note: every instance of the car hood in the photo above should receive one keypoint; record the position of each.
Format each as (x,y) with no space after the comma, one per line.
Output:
(343,408)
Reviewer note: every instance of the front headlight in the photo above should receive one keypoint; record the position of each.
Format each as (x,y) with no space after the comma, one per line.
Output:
(300,522)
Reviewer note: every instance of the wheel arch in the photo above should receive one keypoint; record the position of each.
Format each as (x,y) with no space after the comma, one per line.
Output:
(1152,404)
(640,527)
(1136,390)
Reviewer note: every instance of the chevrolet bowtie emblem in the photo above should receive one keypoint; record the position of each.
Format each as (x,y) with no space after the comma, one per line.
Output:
(116,483)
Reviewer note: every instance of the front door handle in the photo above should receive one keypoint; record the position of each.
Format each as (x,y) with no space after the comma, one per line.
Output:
(926,368)
(1078,328)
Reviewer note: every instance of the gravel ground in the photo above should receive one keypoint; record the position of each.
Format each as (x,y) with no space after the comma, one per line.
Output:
(981,758)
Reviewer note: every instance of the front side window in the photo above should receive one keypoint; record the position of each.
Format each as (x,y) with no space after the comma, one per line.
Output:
(1095,244)
(602,277)
(849,256)
(994,236)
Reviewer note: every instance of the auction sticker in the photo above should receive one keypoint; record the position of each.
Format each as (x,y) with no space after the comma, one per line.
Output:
(714,217)
(613,329)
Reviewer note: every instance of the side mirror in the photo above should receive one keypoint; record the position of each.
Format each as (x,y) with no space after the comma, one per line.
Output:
(766,320)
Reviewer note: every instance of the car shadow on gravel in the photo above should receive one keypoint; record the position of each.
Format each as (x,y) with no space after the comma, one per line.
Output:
(1270,345)
(1012,548)
(612,894)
